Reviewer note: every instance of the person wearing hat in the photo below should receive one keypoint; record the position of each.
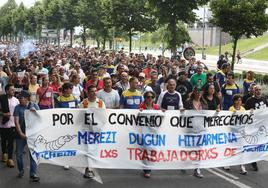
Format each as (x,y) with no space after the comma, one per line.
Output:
(21,140)
(143,87)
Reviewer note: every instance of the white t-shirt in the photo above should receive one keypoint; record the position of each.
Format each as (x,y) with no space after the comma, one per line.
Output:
(111,100)
(12,102)
(77,90)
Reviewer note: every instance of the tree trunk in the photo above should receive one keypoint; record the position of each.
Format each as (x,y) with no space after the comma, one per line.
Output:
(130,40)
(84,37)
(104,44)
(58,31)
(71,37)
(110,44)
(234,53)
(98,44)
(174,37)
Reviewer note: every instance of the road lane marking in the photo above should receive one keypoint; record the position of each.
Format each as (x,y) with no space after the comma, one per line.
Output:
(232,181)
(226,173)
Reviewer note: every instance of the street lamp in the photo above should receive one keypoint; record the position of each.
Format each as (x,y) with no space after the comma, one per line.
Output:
(203,41)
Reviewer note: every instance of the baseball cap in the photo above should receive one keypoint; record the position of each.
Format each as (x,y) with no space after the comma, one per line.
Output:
(142,75)
(24,94)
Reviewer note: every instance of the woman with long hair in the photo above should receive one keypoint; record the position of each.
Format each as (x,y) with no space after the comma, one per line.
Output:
(45,95)
(210,99)
(194,103)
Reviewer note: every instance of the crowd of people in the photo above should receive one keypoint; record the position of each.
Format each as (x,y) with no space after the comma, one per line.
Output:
(63,77)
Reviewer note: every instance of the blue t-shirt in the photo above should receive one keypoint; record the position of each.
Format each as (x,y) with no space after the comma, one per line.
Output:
(228,91)
(19,112)
(220,77)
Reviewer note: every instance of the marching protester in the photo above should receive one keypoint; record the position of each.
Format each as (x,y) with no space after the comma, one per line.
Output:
(170,99)
(114,80)
(228,90)
(45,95)
(248,81)
(237,107)
(91,102)
(148,104)
(194,103)
(199,78)
(131,98)
(257,101)
(109,95)
(21,139)
(7,126)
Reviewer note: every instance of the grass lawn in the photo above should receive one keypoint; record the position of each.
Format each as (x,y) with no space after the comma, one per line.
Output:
(259,55)
(243,45)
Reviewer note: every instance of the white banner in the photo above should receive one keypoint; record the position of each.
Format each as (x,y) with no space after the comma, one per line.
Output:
(130,139)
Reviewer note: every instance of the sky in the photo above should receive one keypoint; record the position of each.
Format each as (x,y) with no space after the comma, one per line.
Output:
(27,3)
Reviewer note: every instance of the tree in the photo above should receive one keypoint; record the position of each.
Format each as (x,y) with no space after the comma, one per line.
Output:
(6,18)
(170,12)
(70,19)
(88,12)
(240,18)
(53,15)
(19,19)
(131,16)
(181,34)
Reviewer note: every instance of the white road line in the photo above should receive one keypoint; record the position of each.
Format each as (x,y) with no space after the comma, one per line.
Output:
(234,182)
(226,173)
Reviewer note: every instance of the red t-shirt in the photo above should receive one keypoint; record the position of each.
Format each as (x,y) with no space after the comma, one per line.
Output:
(55,88)
(45,96)
(143,106)
(99,84)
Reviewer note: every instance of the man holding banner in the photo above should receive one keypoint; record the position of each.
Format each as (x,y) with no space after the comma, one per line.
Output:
(21,140)
(91,102)
(257,101)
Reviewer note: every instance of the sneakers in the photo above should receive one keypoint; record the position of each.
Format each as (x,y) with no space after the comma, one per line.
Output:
(243,170)
(197,173)
(4,157)
(255,166)
(34,178)
(21,174)
(89,174)
(10,163)
(66,167)
(226,168)
(147,175)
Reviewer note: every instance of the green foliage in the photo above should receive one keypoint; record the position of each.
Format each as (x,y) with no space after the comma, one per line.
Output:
(240,18)
(130,16)
(170,12)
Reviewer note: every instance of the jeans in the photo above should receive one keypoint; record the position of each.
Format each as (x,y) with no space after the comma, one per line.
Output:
(20,144)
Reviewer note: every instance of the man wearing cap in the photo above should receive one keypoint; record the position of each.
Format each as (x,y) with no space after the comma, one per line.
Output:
(142,86)
(21,141)
(147,71)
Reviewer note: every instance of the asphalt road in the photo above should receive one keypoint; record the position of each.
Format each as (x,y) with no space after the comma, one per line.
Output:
(55,176)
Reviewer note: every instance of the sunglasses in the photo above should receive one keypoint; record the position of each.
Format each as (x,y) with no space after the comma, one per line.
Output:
(149,96)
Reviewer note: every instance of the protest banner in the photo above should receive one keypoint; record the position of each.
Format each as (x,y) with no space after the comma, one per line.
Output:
(131,139)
